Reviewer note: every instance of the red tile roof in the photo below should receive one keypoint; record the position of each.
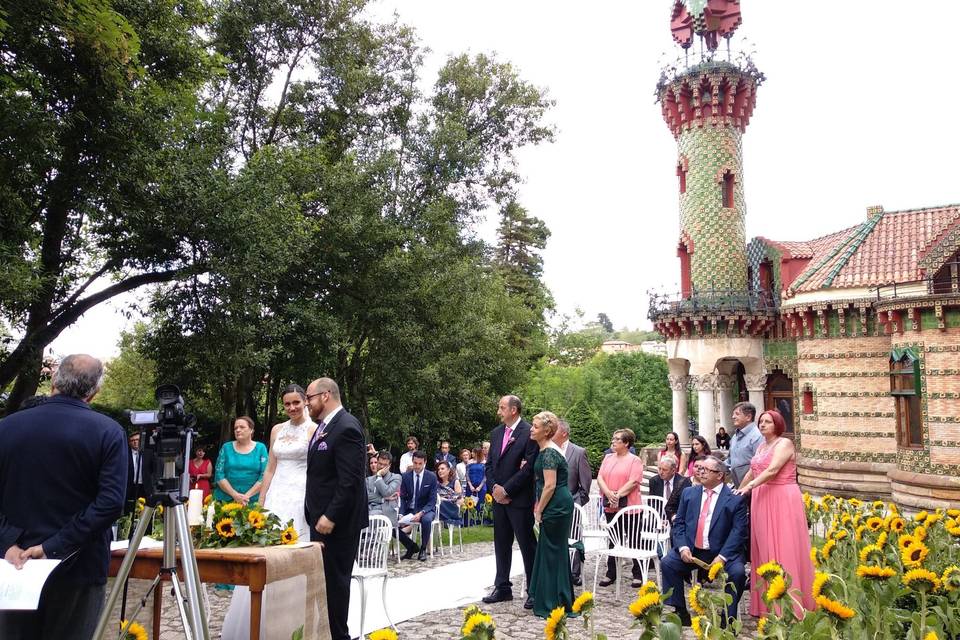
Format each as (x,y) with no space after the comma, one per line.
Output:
(881,250)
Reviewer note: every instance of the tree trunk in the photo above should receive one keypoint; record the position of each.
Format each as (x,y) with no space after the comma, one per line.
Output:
(228,399)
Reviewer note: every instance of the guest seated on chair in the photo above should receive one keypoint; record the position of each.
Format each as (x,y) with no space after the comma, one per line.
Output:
(383,488)
(449,492)
(711,525)
(418,499)
(669,485)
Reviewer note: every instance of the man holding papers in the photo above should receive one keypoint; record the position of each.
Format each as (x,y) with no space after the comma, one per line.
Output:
(64,468)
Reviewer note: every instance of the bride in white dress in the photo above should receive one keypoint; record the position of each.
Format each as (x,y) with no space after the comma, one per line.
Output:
(284,483)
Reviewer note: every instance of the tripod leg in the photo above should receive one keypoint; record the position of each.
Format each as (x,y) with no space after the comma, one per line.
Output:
(145,519)
(181,605)
(191,574)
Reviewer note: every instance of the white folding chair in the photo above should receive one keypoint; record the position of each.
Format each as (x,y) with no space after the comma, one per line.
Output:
(576,531)
(371,562)
(633,535)
(451,526)
(663,536)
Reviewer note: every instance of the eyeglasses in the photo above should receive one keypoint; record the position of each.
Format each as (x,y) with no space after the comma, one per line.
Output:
(314,395)
(700,469)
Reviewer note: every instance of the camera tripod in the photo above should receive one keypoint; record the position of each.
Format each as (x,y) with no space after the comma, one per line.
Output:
(175,527)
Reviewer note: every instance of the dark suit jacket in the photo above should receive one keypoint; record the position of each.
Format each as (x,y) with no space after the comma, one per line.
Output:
(336,472)
(514,469)
(426,500)
(679,484)
(728,525)
(579,475)
(64,475)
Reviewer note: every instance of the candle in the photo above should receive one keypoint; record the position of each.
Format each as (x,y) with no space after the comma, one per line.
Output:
(210,515)
(195,508)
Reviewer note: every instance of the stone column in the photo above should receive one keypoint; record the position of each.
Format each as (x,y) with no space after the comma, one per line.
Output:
(705,385)
(681,423)
(756,385)
(725,385)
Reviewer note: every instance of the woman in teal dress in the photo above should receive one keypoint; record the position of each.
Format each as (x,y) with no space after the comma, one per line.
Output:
(551,582)
(240,466)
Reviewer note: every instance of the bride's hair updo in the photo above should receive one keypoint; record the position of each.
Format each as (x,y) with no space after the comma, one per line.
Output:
(294,388)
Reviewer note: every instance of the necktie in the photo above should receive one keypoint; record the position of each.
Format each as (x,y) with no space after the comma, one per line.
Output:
(702,522)
(506,438)
(316,434)
(416,489)
(667,490)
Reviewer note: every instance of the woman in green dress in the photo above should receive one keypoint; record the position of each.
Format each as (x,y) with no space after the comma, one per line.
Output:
(551,582)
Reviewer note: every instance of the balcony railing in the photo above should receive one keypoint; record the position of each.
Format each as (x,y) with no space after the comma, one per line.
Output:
(916,289)
(710,301)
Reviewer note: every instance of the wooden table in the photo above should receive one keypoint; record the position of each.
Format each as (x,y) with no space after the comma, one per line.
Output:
(254,567)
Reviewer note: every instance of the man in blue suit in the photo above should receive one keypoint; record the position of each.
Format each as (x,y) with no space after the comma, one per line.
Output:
(711,524)
(64,475)
(418,497)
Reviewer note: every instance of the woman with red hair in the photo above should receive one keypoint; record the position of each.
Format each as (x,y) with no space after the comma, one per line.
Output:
(778,521)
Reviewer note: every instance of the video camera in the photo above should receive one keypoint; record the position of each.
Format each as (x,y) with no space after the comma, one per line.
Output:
(166,435)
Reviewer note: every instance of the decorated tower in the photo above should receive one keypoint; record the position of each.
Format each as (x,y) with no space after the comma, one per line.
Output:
(707,106)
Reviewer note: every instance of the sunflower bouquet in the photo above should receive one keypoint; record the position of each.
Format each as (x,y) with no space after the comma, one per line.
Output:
(132,631)
(231,524)
(477,625)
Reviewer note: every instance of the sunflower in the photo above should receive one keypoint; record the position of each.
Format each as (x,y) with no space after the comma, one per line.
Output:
(892,508)
(230,507)
(640,606)
(225,528)
(778,587)
(921,580)
(132,630)
(585,599)
(470,503)
(920,533)
(953,513)
(882,539)
(897,524)
(256,519)
(814,556)
(915,554)
(932,519)
(920,517)
(694,599)
(761,625)
(845,518)
(931,636)
(554,623)
(835,608)
(905,541)
(874,523)
(840,535)
(383,634)
(858,534)
(715,570)
(868,551)
(820,580)
(648,587)
(289,536)
(488,498)
(855,503)
(951,578)
(878,505)
(954,530)
(828,547)
(476,620)
(208,499)
(696,623)
(875,573)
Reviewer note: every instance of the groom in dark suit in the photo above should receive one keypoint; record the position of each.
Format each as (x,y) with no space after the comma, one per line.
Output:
(335,503)
(711,524)
(418,498)
(509,470)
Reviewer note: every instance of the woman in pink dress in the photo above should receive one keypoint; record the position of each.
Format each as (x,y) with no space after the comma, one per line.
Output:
(778,522)
(619,478)
(201,470)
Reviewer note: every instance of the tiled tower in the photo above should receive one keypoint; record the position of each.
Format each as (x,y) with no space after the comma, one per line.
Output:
(707,107)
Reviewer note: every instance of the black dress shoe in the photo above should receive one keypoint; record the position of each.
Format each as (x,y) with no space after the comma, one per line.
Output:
(411,551)
(577,581)
(422,556)
(497,596)
(528,603)
(606,582)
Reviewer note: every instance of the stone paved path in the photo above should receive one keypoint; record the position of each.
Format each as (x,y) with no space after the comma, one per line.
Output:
(512,620)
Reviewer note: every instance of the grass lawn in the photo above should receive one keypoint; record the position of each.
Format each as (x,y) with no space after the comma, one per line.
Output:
(477,534)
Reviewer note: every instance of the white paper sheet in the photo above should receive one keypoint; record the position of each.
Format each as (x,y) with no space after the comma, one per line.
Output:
(146,543)
(20,588)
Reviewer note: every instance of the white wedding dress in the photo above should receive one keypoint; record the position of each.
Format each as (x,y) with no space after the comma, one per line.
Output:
(281,608)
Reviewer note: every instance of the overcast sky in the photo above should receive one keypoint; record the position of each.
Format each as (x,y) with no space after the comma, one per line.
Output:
(860,107)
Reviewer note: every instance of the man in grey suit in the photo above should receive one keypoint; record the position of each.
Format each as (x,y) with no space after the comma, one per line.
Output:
(579,478)
(383,489)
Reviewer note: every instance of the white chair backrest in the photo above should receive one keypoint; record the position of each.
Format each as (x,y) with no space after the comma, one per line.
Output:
(374,544)
(657,502)
(635,527)
(576,525)
(593,514)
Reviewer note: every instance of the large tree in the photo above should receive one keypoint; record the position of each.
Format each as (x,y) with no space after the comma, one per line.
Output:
(109,163)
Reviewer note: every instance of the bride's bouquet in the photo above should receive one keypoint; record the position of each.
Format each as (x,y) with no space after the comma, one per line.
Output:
(231,524)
